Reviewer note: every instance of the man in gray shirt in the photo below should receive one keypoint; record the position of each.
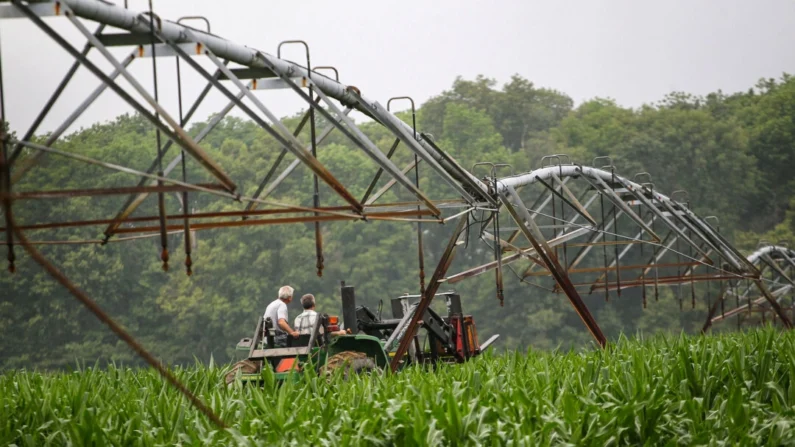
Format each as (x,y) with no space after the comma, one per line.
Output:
(305,322)
(277,312)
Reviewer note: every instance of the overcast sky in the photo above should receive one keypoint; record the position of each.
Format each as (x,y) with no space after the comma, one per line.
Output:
(632,51)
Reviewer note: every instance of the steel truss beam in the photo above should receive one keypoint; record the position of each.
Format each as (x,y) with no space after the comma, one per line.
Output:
(662,280)
(178,133)
(401,209)
(285,138)
(681,223)
(360,139)
(236,197)
(94,308)
(27,163)
(133,202)
(267,72)
(521,216)
(45,110)
(411,142)
(744,308)
(183,38)
(433,285)
(524,253)
(765,257)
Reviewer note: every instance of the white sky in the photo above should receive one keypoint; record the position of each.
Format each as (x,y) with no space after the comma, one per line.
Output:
(632,51)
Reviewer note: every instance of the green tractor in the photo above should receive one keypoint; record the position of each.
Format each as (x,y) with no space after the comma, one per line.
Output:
(370,345)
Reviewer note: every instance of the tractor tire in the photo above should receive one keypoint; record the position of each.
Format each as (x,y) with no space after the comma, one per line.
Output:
(351,362)
(244,366)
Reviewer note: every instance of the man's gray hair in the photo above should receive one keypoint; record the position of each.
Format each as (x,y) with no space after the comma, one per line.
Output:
(308,301)
(286,292)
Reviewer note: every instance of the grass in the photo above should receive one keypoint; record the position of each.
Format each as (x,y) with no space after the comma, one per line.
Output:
(726,389)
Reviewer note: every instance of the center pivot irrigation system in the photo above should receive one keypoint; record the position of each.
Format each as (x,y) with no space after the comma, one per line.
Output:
(564,227)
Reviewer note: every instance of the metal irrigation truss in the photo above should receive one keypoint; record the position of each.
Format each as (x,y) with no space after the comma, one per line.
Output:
(776,264)
(579,229)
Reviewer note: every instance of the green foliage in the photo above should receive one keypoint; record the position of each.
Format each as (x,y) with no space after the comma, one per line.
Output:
(736,389)
(732,153)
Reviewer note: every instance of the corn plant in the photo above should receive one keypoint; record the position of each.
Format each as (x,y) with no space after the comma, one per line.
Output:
(720,390)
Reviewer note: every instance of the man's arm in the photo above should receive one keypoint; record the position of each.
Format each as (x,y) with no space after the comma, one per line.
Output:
(286,327)
(281,314)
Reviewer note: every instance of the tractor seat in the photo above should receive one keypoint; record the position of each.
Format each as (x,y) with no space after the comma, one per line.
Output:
(302,340)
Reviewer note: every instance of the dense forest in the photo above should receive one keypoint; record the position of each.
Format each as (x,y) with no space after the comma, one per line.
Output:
(733,153)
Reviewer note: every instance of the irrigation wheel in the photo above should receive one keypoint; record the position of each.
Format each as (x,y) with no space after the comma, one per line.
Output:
(351,362)
(244,366)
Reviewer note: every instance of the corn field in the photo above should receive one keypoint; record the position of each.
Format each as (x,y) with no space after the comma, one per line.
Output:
(724,389)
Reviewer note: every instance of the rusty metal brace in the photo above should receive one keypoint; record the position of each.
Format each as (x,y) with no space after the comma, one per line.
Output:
(433,285)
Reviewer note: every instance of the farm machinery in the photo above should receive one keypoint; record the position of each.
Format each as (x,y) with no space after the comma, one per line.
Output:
(370,345)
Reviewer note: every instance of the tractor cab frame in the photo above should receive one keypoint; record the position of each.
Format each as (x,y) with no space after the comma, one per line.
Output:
(448,339)
(371,344)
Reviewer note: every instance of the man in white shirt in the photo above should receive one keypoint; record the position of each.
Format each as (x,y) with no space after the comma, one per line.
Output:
(305,322)
(277,311)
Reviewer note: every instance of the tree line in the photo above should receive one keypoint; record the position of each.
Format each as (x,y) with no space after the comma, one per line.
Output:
(732,153)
